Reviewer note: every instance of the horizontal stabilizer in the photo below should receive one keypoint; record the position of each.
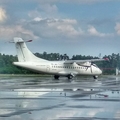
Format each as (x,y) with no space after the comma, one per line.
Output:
(19,40)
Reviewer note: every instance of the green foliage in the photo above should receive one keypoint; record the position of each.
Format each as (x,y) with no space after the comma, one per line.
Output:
(108,67)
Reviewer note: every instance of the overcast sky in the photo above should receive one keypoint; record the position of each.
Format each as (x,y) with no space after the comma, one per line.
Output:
(86,27)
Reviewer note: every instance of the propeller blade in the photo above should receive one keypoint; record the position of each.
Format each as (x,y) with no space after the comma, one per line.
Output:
(87,68)
(91,68)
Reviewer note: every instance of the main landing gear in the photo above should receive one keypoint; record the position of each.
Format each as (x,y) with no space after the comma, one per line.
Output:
(56,77)
(70,77)
(95,77)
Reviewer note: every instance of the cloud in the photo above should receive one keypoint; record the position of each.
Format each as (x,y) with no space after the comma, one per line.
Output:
(44,10)
(71,1)
(75,1)
(44,24)
(54,28)
(34,14)
(49,8)
(67,29)
(3,15)
(93,32)
(87,1)
(10,29)
(64,26)
(48,28)
(117,28)
(8,32)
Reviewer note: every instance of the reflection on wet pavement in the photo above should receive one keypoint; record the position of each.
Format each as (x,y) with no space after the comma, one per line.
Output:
(42,98)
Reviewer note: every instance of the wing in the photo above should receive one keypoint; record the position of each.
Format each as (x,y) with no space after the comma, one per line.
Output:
(84,61)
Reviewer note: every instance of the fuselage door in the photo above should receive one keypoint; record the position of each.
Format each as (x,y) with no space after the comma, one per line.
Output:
(48,68)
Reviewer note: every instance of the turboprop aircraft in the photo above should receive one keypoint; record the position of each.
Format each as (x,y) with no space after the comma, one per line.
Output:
(67,68)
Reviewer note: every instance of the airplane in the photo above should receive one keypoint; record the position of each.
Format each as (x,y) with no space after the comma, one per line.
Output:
(66,68)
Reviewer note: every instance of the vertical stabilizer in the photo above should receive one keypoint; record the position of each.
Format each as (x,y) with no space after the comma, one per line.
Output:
(24,54)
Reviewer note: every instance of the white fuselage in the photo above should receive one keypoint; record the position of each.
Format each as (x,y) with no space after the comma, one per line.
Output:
(59,68)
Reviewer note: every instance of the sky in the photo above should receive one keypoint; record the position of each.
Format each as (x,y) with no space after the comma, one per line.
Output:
(74,27)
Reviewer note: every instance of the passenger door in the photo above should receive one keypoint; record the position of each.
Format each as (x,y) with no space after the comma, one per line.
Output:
(47,68)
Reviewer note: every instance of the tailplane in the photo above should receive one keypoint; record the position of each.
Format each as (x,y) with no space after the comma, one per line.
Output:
(24,54)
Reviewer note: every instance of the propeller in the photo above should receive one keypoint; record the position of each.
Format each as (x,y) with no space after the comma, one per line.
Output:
(90,67)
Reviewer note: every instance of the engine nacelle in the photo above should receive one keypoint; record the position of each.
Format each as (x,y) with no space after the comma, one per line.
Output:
(87,64)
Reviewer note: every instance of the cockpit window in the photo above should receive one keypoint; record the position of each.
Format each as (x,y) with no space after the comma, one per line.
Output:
(95,65)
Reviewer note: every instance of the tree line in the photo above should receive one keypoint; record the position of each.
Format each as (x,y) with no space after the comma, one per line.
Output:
(108,67)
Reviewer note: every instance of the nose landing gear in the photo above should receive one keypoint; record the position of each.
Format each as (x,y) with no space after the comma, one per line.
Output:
(70,77)
(95,77)
(56,77)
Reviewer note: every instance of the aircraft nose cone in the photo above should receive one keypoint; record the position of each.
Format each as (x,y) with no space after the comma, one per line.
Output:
(100,71)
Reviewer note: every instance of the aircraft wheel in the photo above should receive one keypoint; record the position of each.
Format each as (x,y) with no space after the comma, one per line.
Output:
(56,77)
(95,77)
(70,77)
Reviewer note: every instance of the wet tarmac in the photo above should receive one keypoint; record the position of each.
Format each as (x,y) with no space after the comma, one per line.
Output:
(43,98)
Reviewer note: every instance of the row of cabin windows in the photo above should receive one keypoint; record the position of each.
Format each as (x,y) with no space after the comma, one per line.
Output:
(69,67)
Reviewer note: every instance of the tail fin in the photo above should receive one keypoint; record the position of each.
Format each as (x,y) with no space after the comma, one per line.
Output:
(24,54)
